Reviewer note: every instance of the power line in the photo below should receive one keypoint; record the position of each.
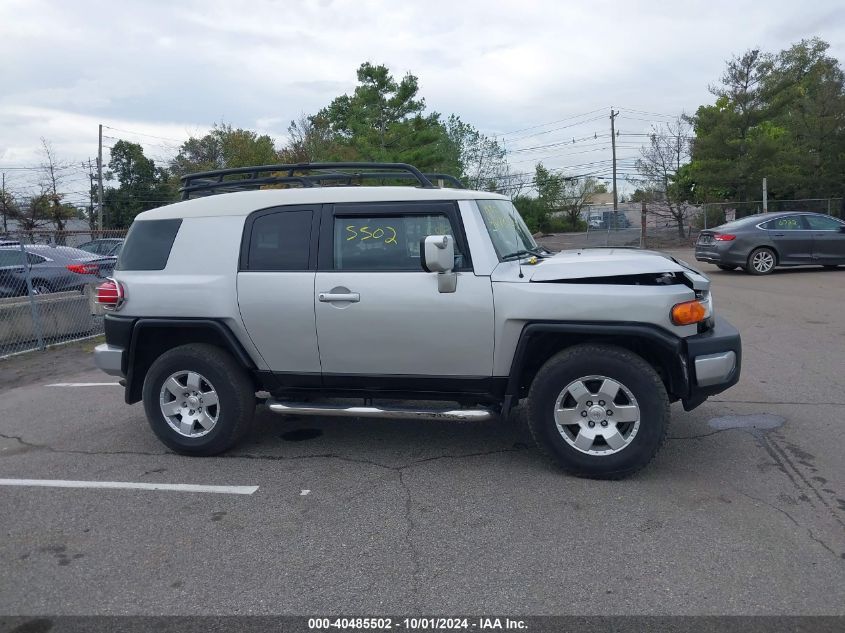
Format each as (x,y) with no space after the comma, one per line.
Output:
(162,138)
(539,125)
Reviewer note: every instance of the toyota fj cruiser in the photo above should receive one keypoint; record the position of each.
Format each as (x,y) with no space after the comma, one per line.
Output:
(300,282)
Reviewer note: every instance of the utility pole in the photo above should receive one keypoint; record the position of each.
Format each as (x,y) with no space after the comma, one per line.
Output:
(100,182)
(91,190)
(613,116)
(5,208)
(765,196)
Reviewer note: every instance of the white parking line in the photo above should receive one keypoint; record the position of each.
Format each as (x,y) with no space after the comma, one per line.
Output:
(84,384)
(128,485)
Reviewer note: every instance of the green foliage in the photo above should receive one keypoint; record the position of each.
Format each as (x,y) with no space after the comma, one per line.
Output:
(141,186)
(385,121)
(534,212)
(775,116)
(222,148)
(482,160)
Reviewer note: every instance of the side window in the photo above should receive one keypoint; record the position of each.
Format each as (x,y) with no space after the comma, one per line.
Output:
(148,245)
(389,242)
(35,259)
(10,257)
(280,241)
(788,223)
(823,223)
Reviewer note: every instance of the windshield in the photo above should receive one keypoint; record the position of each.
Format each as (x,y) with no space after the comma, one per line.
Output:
(506,228)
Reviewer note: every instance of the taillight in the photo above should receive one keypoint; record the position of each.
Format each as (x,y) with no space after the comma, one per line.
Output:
(111,295)
(724,237)
(84,269)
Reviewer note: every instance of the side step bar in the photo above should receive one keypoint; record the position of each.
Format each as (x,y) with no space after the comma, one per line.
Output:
(392,413)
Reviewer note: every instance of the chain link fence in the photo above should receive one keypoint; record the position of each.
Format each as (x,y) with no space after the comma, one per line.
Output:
(713,214)
(47,286)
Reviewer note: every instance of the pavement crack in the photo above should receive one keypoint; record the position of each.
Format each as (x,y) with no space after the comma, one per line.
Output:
(70,451)
(812,536)
(698,437)
(416,564)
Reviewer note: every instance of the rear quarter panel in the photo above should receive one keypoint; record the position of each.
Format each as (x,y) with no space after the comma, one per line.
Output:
(205,254)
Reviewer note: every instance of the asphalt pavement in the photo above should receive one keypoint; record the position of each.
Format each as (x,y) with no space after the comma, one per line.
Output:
(742,512)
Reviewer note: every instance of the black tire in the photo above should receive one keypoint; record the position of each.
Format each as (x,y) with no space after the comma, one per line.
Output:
(612,362)
(235,391)
(41,287)
(749,267)
(724,267)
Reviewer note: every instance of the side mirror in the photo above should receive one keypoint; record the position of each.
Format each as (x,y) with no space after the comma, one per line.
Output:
(437,255)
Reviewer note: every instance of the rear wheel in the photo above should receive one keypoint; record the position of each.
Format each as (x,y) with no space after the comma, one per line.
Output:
(599,411)
(41,287)
(198,400)
(761,261)
(725,267)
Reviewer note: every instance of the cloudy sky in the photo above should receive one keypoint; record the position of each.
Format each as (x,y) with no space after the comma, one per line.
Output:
(157,71)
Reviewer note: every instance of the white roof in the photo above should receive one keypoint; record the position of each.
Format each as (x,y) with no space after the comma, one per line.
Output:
(245,202)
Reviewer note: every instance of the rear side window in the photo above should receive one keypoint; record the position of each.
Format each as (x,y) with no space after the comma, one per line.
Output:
(148,245)
(788,223)
(280,241)
(10,258)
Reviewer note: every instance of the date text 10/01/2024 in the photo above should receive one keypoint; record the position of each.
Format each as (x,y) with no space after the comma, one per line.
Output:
(386,624)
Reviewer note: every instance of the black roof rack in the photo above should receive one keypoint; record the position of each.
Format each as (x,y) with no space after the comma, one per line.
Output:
(305,175)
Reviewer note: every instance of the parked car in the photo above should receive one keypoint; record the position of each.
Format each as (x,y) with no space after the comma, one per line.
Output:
(51,269)
(762,242)
(221,296)
(106,246)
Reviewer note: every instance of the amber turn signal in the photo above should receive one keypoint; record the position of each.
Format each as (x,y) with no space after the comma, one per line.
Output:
(688,312)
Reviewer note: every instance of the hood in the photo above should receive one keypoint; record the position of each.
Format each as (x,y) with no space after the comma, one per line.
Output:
(590,263)
(602,262)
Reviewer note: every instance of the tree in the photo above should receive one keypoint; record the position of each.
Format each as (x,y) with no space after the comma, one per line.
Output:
(483,161)
(659,164)
(224,147)
(577,193)
(51,182)
(32,213)
(8,204)
(141,185)
(775,116)
(384,120)
(533,212)
(311,141)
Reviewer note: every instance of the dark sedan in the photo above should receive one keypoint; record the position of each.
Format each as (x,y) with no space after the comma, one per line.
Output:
(51,269)
(759,243)
(106,246)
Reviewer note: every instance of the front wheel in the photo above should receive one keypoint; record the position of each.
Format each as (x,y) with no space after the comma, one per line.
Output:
(198,399)
(599,411)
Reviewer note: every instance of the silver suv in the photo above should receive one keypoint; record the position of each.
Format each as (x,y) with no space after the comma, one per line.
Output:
(323,290)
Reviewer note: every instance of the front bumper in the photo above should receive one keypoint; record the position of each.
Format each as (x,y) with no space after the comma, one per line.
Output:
(714,362)
(109,358)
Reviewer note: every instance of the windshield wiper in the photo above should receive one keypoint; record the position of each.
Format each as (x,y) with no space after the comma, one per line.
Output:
(525,252)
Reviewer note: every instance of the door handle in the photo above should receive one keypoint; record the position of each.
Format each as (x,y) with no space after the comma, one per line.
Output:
(329,297)
(778,234)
